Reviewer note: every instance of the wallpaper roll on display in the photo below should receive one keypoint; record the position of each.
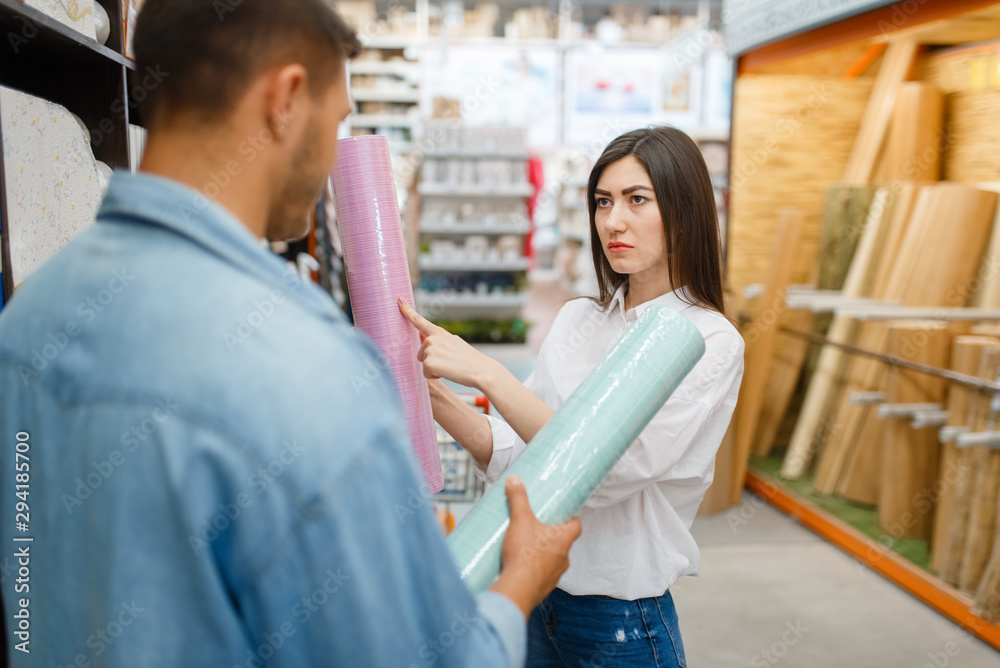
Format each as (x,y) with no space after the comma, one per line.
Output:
(377,275)
(53,184)
(580,444)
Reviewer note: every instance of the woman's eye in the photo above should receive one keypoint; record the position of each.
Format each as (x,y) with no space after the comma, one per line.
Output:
(603,202)
(638,199)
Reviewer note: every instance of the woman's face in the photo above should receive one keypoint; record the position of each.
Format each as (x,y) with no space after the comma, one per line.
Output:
(628,220)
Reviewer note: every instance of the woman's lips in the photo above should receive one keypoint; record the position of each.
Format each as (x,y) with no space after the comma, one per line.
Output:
(618,247)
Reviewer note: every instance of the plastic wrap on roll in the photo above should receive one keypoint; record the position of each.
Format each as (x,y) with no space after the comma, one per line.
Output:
(580,444)
(377,274)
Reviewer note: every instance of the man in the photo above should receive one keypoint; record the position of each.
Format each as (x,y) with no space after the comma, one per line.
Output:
(202,484)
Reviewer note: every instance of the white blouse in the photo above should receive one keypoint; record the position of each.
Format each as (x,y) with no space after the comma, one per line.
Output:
(636,538)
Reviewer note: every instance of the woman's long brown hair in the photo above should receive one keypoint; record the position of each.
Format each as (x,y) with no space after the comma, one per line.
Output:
(687,204)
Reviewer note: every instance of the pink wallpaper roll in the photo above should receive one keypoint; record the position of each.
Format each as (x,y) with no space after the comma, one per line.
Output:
(377,274)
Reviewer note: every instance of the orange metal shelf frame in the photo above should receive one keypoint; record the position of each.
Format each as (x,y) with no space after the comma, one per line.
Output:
(920,584)
(862,26)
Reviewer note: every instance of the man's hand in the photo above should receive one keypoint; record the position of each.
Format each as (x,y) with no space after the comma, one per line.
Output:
(534,555)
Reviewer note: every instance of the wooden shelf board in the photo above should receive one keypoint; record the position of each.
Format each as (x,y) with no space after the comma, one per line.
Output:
(52,38)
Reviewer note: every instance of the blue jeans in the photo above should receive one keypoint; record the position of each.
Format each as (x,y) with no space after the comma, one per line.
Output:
(568,631)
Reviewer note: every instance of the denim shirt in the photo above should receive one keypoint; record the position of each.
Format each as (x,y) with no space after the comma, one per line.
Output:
(214,468)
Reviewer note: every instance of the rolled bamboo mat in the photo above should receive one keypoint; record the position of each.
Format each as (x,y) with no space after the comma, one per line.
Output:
(914,150)
(926,244)
(983,499)
(870,336)
(972,151)
(882,235)
(953,555)
(958,70)
(781,124)
(910,456)
(965,357)
(988,594)
(761,338)
(845,213)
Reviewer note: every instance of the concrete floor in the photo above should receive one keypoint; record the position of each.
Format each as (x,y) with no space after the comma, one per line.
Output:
(772,593)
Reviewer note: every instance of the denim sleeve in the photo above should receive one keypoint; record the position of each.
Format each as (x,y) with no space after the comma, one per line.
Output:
(369,581)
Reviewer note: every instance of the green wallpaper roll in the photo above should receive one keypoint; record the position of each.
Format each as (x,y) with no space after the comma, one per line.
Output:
(573,452)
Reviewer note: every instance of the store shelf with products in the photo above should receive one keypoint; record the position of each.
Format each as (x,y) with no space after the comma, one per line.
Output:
(462,229)
(53,68)
(384,82)
(500,266)
(514,190)
(473,226)
(862,185)
(382,121)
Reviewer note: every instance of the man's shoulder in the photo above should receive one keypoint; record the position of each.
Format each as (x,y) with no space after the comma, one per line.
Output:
(162,318)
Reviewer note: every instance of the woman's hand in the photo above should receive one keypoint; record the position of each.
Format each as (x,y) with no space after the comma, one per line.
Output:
(445,355)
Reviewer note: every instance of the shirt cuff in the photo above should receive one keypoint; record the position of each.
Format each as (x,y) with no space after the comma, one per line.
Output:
(508,622)
(503,449)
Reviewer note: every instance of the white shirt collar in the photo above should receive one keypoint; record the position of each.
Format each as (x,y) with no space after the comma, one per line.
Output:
(677,300)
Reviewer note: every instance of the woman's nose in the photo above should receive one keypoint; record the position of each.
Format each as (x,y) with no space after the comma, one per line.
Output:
(615,220)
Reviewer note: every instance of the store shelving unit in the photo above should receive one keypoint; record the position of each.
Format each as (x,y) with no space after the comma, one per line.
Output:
(474,193)
(47,59)
(387,103)
(795,50)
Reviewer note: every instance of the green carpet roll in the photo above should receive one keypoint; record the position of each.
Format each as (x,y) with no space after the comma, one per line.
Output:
(579,445)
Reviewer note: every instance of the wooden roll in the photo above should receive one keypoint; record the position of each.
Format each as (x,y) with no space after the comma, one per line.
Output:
(953,556)
(928,245)
(910,456)
(965,356)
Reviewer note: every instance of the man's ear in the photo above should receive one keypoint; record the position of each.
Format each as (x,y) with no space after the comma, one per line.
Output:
(288,91)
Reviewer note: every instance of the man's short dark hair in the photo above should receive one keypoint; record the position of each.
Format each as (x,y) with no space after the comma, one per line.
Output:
(208,52)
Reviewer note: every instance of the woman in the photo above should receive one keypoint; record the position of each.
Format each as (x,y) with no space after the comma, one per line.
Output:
(655,240)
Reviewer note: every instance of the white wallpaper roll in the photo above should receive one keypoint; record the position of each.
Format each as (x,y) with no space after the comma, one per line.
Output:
(53,188)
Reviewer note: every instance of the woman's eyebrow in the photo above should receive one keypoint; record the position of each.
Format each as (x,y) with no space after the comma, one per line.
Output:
(632,189)
(598,191)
